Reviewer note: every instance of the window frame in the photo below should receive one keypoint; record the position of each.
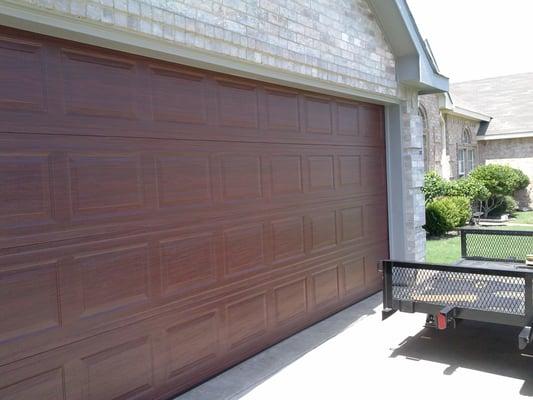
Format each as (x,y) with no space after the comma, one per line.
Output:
(466,154)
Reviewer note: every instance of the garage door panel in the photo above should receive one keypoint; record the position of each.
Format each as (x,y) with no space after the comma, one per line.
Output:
(353,271)
(321,172)
(108,93)
(103,182)
(95,188)
(47,385)
(323,230)
(286,174)
(27,187)
(187,263)
(120,372)
(114,278)
(325,286)
(164,222)
(283,110)
(246,322)
(242,176)
(99,86)
(237,104)
(347,119)
(290,301)
(244,249)
(193,343)
(29,299)
(288,239)
(22,89)
(318,115)
(184,178)
(178,95)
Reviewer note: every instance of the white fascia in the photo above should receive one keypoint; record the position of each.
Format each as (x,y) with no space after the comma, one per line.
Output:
(503,136)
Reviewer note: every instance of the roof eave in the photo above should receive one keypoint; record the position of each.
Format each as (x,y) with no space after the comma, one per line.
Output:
(447,106)
(503,136)
(415,64)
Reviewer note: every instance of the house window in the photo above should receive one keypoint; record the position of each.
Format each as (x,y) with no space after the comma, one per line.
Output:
(466,154)
(461,162)
(470,160)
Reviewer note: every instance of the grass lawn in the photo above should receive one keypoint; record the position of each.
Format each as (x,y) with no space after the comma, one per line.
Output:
(523,217)
(447,250)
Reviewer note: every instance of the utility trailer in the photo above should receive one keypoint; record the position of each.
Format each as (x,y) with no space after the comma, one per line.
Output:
(491,283)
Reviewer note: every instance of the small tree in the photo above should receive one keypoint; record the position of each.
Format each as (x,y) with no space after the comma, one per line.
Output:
(500,181)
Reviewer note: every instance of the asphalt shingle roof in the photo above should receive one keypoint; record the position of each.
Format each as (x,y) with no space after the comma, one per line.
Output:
(507,99)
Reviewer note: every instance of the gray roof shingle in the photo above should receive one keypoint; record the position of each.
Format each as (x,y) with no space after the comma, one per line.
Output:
(507,99)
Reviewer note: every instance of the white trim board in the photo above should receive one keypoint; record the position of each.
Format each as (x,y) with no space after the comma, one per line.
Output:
(503,136)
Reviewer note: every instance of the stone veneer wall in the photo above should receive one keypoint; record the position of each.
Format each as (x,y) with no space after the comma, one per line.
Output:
(339,42)
(517,153)
(331,40)
(413,170)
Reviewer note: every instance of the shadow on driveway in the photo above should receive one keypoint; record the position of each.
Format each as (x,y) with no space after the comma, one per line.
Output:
(473,345)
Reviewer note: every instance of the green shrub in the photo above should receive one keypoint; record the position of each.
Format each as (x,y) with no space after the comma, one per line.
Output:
(446,213)
(434,186)
(467,187)
(464,209)
(521,178)
(507,205)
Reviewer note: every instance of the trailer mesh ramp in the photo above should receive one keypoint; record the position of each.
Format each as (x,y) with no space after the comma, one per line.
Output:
(495,245)
(504,294)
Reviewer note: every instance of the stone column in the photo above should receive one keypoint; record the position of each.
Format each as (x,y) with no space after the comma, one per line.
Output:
(413,175)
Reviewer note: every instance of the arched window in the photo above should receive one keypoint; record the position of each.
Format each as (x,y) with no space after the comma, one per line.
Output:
(425,136)
(466,154)
(466,136)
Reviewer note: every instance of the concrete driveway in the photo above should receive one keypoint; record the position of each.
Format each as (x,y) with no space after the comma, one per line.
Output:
(354,355)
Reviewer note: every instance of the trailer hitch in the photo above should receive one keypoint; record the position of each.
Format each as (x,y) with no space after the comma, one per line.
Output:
(446,317)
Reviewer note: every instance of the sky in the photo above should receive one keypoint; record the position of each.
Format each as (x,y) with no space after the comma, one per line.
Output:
(476,39)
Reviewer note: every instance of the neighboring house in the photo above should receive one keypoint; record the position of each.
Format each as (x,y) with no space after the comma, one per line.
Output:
(508,139)
(451,134)
(185,183)
(480,122)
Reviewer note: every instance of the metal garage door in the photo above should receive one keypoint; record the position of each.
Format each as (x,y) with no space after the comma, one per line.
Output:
(160,223)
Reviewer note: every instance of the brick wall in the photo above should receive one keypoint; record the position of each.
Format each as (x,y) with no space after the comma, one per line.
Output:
(517,153)
(455,127)
(429,105)
(330,40)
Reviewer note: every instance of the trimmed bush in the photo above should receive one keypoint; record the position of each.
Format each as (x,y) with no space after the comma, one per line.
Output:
(464,210)
(446,213)
(467,187)
(521,178)
(508,205)
(434,186)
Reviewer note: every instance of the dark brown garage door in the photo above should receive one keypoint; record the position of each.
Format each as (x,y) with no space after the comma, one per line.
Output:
(160,223)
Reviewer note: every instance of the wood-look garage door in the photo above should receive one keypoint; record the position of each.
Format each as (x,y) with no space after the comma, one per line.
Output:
(160,223)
